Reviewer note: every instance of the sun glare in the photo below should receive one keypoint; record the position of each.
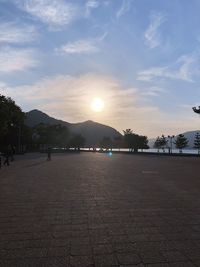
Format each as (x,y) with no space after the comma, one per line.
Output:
(97,104)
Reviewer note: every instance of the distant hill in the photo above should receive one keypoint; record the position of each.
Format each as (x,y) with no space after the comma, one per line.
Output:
(92,131)
(189,135)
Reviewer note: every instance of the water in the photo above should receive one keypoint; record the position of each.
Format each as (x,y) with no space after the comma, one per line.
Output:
(151,150)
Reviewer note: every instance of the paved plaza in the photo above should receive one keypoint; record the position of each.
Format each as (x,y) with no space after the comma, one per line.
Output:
(91,209)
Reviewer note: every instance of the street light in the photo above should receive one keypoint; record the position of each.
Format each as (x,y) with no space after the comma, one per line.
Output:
(171,137)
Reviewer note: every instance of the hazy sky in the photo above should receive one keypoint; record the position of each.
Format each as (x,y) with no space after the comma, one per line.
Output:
(142,57)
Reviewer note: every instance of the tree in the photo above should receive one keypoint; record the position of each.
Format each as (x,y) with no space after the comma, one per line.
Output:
(119,142)
(106,143)
(197,142)
(11,121)
(135,141)
(196,110)
(157,144)
(77,141)
(163,142)
(53,135)
(181,142)
(143,142)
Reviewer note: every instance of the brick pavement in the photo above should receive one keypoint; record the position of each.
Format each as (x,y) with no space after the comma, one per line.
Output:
(90,209)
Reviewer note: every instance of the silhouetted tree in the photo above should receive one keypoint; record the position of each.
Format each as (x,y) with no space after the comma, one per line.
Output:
(135,141)
(119,142)
(163,142)
(181,142)
(197,142)
(143,142)
(51,135)
(77,141)
(157,144)
(11,121)
(196,110)
(106,143)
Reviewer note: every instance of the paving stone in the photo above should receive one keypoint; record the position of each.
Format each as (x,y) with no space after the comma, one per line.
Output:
(152,256)
(124,247)
(103,249)
(80,250)
(76,261)
(128,258)
(105,261)
(87,210)
(175,264)
(174,256)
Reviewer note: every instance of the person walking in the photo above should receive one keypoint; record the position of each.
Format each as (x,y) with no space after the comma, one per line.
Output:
(48,153)
(6,156)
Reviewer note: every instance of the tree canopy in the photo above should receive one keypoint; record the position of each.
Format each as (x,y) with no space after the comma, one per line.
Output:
(106,143)
(181,142)
(135,141)
(53,135)
(77,141)
(11,119)
(197,142)
(161,142)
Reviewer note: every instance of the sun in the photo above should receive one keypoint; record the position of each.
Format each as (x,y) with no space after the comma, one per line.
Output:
(97,104)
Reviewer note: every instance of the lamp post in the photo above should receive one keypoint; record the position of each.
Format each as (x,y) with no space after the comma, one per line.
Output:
(171,137)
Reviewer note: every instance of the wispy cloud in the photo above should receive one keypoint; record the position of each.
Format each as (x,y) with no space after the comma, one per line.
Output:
(125,7)
(90,5)
(152,35)
(69,98)
(78,47)
(12,33)
(153,91)
(184,69)
(83,46)
(54,13)
(12,59)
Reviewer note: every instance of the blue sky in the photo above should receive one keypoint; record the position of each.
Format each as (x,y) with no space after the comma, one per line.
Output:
(141,57)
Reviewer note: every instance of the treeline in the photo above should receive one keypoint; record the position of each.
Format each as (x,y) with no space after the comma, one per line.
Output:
(129,140)
(14,133)
(180,142)
(19,137)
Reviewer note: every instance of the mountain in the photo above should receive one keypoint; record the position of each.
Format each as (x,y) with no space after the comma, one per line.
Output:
(92,131)
(189,135)
(35,117)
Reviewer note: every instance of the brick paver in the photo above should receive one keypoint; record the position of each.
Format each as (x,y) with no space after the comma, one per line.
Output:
(90,209)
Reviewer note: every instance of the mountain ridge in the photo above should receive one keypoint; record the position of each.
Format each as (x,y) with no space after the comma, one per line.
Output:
(92,131)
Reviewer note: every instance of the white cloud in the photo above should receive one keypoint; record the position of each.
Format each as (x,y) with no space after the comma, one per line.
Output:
(16,34)
(125,7)
(91,4)
(79,47)
(12,59)
(69,98)
(152,35)
(153,91)
(54,13)
(184,69)
(83,46)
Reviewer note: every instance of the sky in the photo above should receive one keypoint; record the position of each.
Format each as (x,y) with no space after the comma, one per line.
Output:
(141,57)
